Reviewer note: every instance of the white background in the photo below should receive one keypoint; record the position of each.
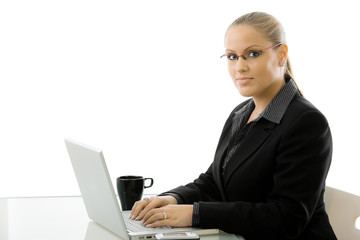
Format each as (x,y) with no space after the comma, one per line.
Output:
(143,81)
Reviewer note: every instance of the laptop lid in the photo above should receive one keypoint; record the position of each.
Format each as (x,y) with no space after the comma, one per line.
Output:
(96,187)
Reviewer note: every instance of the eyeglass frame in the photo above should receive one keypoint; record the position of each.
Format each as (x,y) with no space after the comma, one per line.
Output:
(261,51)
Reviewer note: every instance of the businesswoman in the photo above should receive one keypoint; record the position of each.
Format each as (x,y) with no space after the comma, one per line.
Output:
(267,179)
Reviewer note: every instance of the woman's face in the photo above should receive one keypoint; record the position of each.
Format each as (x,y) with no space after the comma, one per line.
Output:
(260,75)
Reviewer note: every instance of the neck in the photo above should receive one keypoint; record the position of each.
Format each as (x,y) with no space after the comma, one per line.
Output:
(261,101)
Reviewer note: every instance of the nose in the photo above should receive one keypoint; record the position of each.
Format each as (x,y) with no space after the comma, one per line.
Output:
(241,65)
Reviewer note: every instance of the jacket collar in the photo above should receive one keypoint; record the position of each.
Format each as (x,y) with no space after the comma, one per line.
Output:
(278,105)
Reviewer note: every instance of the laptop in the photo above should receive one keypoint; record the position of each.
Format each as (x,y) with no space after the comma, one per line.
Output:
(99,197)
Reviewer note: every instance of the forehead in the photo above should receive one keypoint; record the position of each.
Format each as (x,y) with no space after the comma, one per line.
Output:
(242,36)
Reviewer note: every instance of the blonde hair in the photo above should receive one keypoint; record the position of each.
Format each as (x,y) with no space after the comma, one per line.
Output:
(271,29)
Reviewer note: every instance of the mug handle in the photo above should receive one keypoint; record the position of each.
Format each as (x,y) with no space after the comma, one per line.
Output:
(151,182)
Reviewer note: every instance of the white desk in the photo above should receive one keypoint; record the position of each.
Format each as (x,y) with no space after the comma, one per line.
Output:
(55,218)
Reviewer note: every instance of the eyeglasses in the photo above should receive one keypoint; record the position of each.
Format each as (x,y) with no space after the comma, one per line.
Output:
(249,55)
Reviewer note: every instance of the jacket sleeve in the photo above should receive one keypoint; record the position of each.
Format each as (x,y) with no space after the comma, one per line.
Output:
(302,163)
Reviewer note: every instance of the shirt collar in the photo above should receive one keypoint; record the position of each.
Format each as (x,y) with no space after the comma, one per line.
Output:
(277,107)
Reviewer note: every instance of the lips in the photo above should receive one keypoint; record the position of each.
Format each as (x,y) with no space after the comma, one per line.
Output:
(243,79)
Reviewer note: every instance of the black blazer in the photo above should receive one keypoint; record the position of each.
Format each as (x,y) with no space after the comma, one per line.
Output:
(273,186)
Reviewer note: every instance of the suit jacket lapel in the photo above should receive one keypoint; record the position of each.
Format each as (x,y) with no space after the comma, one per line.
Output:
(219,155)
(261,131)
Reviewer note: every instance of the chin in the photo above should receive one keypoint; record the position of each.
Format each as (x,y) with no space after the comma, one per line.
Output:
(244,92)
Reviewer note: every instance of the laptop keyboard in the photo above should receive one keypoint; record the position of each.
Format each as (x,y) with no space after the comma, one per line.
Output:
(135,226)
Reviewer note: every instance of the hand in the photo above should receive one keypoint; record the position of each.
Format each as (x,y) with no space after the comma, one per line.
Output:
(142,207)
(170,215)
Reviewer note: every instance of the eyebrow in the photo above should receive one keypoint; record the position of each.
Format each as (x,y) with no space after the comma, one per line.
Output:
(245,48)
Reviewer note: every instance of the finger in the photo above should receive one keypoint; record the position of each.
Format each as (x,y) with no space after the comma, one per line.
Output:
(137,208)
(149,215)
(153,204)
(154,217)
(161,223)
(134,210)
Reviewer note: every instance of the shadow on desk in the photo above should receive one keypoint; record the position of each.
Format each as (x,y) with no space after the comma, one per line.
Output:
(96,232)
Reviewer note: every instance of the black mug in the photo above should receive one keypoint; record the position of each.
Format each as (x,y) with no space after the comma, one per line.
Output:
(130,190)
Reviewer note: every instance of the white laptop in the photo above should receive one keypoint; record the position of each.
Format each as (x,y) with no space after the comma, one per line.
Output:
(101,203)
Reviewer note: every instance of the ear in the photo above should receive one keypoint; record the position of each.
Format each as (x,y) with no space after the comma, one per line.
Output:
(283,53)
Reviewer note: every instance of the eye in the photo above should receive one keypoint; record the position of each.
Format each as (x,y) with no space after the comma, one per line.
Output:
(232,57)
(254,54)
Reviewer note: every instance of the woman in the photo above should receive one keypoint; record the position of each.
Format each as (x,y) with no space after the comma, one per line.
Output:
(267,179)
